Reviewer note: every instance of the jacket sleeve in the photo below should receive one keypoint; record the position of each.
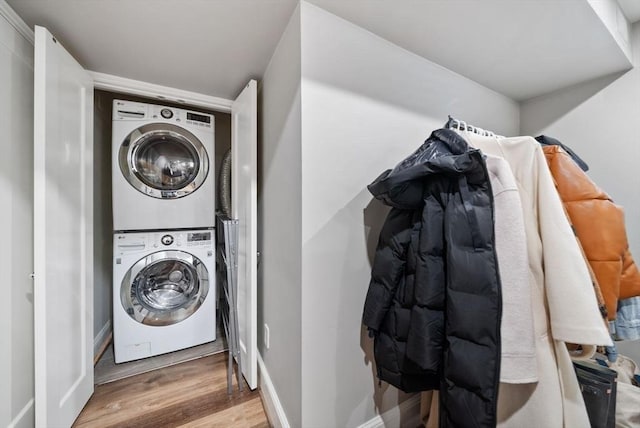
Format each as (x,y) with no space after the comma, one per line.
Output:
(573,308)
(630,281)
(388,266)
(425,335)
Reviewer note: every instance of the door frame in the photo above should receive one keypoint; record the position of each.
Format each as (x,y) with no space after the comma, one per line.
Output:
(127,86)
(111,83)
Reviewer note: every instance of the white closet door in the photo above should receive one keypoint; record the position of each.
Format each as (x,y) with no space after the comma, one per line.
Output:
(244,201)
(63,233)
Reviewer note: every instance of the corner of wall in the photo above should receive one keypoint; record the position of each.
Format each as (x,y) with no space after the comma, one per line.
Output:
(279,216)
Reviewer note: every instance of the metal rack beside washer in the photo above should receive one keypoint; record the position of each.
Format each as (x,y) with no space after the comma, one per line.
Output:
(227,230)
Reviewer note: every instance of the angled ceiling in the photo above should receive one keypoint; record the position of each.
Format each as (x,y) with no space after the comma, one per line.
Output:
(521,48)
(631,9)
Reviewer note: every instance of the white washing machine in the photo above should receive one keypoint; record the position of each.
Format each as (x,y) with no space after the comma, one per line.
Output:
(163,174)
(164,292)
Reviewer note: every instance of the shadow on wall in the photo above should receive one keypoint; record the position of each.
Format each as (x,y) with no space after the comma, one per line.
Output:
(338,261)
(374,216)
(537,114)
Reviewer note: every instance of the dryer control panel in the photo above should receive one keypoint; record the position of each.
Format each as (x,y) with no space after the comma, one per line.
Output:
(130,110)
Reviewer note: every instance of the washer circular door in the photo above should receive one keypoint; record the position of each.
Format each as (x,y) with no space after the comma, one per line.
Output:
(164,288)
(163,160)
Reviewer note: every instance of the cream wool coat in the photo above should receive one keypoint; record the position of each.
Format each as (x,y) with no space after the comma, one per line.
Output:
(564,303)
(518,351)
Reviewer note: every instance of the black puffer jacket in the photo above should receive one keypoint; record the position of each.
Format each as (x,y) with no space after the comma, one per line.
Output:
(434,303)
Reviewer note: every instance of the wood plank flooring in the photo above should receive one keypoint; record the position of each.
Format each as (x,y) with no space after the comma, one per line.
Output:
(191,394)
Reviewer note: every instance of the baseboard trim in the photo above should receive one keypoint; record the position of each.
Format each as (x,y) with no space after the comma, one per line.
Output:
(101,341)
(272,406)
(406,414)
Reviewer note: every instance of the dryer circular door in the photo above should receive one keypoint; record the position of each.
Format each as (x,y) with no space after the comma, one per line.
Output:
(163,160)
(164,288)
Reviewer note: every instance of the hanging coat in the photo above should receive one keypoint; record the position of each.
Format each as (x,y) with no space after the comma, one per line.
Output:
(548,141)
(599,225)
(565,309)
(434,303)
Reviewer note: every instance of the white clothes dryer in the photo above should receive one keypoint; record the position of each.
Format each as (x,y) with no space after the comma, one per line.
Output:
(163,175)
(164,292)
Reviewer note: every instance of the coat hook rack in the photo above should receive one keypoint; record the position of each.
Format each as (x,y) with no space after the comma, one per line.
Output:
(453,123)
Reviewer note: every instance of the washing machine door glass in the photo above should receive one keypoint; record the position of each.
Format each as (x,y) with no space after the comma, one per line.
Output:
(164,288)
(163,161)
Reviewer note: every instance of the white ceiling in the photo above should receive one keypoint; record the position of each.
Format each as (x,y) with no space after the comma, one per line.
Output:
(211,47)
(631,9)
(521,48)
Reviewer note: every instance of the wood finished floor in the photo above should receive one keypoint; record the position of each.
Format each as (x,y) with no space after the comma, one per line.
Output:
(191,394)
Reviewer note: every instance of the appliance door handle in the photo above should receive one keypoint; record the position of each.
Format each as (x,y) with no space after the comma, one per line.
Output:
(134,114)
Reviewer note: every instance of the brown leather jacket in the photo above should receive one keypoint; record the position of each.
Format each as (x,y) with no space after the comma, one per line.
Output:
(599,225)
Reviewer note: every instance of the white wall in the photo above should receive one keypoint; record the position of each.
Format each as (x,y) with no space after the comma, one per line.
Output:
(366,104)
(279,214)
(600,121)
(16,227)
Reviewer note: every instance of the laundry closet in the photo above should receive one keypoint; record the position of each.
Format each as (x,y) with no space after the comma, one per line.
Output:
(163,191)
(74,210)
(209,158)
(344,97)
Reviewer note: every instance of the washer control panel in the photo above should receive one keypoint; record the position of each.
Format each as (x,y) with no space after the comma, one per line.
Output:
(186,238)
(136,242)
(124,243)
(199,238)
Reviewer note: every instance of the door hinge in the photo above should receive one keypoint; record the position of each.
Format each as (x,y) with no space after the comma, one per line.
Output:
(32,275)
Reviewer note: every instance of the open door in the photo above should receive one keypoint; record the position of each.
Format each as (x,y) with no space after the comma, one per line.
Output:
(244,202)
(63,233)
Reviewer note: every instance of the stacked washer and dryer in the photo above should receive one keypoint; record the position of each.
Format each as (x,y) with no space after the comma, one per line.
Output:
(164,293)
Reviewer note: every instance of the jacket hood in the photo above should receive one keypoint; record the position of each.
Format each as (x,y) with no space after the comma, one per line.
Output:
(444,152)
(548,141)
